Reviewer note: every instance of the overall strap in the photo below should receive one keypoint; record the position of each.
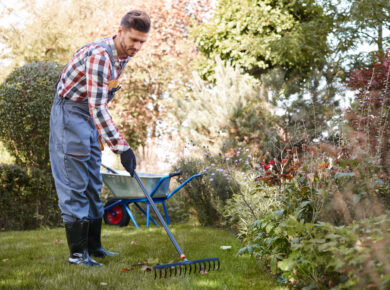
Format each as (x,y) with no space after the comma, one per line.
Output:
(107,48)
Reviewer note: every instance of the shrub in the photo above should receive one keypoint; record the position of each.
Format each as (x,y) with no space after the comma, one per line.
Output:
(208,195)
(27,199)
(322,233)
(322,255)
(25,103)
(252,202)
(369,116)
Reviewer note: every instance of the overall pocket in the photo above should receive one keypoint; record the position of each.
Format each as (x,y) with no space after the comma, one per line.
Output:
(77,133)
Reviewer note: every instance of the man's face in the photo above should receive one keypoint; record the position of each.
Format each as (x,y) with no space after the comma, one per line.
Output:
(131,40)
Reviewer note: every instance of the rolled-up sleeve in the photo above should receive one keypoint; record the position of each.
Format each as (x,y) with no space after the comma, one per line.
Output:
(98,73)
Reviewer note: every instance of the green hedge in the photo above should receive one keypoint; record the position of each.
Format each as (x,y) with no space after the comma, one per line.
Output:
(26,97)
(27,198)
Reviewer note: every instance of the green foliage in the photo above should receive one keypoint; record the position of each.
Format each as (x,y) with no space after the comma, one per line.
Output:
(227,114)
(27,199)
(26,97)
(208,194)
(323,255)
(324,227)
(252,202)
(263,34)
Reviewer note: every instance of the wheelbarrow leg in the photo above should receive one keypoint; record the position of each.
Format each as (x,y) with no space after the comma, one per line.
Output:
(130,214)
(144,212)
(166,212)
(147,214)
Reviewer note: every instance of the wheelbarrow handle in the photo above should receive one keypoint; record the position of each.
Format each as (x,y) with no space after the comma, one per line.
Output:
(109,169)
(177,173)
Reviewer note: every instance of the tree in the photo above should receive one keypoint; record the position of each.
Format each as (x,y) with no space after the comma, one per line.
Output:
(261,35)
(369,115)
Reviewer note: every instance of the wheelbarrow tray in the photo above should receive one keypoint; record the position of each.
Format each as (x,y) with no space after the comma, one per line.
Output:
(123,186)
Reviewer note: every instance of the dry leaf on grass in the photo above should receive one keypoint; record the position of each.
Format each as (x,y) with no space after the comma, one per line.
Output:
(203,272)
(127,269)
(146,268)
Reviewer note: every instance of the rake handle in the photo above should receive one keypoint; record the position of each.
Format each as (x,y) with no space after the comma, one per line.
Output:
(175,244)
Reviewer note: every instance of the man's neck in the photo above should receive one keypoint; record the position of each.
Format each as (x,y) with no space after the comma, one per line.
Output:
(118,47)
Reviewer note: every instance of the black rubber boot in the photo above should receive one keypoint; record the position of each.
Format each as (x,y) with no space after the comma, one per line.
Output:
(94,240)
(77,236)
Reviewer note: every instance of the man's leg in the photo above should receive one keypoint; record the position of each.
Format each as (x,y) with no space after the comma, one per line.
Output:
(96,209)
(71,180)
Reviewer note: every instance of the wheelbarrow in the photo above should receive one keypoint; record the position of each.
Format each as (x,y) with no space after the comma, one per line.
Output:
(126,191)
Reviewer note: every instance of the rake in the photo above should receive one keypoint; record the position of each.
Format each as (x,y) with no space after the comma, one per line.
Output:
(186,266)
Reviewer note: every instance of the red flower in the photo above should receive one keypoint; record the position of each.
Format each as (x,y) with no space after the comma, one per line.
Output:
(272,162)
(267,166)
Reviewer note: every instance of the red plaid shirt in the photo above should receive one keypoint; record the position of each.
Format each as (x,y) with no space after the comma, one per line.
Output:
(87,75)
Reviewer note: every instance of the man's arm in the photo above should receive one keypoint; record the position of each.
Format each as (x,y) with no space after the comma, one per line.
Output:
(98,71)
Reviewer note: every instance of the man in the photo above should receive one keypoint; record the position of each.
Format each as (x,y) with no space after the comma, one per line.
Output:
(79,120)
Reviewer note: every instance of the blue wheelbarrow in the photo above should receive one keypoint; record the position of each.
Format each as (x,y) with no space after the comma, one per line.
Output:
(126,191)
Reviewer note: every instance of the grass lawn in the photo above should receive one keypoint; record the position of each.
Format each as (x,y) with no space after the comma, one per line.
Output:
(38,260)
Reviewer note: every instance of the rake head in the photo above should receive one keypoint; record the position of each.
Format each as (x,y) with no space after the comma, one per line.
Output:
(185,267)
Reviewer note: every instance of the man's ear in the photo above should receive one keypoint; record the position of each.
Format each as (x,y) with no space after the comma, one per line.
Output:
(120,30)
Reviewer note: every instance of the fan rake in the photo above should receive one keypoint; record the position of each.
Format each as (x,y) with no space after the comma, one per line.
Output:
(185,266)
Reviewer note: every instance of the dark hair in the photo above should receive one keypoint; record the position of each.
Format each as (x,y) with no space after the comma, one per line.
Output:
(136,19)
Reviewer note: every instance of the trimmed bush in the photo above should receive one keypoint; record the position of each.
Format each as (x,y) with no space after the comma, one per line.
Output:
(26,97)
(27,199)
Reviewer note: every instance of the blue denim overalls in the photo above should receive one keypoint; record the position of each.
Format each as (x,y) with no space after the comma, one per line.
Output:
(75,156)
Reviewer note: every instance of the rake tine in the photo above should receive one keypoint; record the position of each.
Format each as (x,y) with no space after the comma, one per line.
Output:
(209,266)
(155,274)
(166,272)
(218,265)
(175,271)
(160,273)
(185,269)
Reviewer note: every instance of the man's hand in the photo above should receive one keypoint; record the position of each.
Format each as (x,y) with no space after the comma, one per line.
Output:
(128,161)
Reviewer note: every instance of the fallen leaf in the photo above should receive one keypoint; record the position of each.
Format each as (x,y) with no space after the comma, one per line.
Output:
(146,268)
(5,260)
(133,243)
(57,242)
(140,264)
(103,283)
(127,269)
(203,272)
(226,247)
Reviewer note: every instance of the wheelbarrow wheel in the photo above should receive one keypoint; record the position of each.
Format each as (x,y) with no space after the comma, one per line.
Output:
(119,217)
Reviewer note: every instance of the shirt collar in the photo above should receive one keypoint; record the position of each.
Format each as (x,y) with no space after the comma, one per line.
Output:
(115,52)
